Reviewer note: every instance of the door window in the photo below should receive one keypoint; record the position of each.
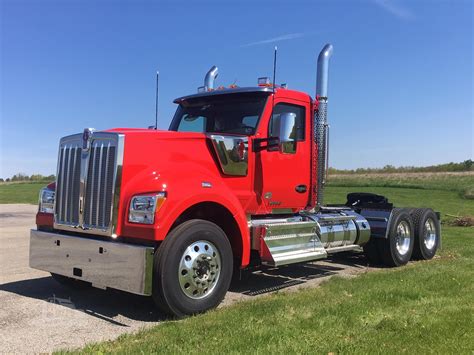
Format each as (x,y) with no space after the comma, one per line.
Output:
(299,111)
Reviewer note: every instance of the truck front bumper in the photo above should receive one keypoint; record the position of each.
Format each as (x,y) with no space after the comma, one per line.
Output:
(116,265)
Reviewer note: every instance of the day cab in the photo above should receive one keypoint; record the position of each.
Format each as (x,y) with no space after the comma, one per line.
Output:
(236,181)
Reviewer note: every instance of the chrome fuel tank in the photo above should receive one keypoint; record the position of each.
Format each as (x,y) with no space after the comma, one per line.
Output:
(340,228)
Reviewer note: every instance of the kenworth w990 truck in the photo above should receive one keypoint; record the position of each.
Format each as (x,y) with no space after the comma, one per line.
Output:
(237,180)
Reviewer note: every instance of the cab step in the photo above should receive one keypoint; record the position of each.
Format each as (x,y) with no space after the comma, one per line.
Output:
(282,243)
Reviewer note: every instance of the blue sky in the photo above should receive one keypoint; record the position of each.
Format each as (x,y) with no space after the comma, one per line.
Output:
(401,78)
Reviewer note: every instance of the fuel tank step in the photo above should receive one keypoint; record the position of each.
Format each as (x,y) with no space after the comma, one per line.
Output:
(287,242)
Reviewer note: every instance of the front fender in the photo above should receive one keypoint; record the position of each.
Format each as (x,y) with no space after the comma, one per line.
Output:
(182,192)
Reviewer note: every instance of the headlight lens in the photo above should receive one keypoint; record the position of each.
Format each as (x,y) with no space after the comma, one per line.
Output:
(143,208)
(46,200)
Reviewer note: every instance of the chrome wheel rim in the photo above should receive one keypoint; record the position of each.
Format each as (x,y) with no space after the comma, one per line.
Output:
(199,269)
(402,240)
(429,234)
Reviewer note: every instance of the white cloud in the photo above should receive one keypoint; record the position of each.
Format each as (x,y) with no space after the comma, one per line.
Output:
(395,9)
(286,37)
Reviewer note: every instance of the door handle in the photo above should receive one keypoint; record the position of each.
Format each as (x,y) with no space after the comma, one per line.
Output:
(301,189)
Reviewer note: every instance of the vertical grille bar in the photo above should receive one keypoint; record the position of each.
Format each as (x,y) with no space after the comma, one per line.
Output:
(67,184)
(104,197)
(59,187)
(68,168)
(99,185)
(100,182)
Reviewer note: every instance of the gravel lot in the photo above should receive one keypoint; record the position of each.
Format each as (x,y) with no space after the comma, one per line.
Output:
(39,315)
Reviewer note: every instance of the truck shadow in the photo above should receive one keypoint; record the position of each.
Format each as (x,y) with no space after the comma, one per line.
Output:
(115,306)
(268,279)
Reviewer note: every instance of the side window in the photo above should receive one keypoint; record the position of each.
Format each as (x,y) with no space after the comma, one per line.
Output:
(300,119)
(191,123)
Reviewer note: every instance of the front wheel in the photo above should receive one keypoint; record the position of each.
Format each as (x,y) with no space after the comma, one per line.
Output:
(192,269)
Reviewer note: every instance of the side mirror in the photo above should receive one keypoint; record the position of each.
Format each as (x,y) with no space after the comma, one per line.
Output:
(286,129)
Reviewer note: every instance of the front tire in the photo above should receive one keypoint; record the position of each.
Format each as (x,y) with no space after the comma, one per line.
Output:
(397,249)
(192,269)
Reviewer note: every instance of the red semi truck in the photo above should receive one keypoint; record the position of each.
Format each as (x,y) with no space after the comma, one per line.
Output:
(236,181)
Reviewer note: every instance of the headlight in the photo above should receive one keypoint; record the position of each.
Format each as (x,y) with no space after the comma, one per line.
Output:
(46,200)
(143,207)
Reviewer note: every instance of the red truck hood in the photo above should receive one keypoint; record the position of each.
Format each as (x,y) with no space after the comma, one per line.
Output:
(157,134)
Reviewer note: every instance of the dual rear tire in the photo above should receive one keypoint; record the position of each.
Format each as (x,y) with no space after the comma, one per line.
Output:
(427,233)
(412,233)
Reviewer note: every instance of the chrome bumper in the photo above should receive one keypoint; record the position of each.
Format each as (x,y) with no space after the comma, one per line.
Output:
(105,264)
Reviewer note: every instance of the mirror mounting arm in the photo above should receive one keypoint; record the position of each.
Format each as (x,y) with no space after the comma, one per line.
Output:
(270,144)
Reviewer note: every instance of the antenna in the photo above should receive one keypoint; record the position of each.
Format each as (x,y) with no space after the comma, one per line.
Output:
(274,67)
(274,76)
(156,99)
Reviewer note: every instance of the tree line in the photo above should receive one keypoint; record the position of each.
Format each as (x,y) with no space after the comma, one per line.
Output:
(466,165)
(32,178)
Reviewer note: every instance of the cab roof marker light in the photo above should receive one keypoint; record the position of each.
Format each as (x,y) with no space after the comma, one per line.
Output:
(264,81)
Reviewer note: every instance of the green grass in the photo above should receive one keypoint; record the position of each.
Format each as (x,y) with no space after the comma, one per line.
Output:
(463,184)
(425,307)
(21,192)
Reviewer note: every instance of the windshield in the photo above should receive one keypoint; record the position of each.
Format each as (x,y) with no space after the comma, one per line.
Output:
(234,114)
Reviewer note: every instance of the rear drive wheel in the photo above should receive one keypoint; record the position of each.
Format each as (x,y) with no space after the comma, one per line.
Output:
(427,233)
(192,269)
(397,249)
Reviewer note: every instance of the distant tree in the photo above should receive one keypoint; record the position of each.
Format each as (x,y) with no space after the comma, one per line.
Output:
(1,180)
(7,180)
(20,177)
(468,164)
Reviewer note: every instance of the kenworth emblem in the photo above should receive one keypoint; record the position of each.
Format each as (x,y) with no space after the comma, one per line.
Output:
(86,138)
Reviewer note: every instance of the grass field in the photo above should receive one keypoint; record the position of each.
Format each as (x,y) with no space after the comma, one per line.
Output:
(24,192)
(463,183)
(425,307)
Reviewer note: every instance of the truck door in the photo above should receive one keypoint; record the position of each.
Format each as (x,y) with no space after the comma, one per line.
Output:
(283,177)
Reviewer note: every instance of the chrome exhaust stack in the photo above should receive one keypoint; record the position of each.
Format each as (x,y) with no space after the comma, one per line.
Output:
(321,127)
(210,78)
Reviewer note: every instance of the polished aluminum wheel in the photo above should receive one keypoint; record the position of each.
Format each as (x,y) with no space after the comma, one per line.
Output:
(429,234)
(199,269)
(403,237)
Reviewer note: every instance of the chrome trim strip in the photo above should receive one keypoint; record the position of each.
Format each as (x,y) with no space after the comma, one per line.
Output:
(117,182)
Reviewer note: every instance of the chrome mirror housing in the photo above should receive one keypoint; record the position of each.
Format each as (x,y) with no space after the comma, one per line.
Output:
(286,128)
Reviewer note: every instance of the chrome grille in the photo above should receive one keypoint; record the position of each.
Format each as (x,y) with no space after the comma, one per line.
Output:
(100,176)
(88,183)
(68,183)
